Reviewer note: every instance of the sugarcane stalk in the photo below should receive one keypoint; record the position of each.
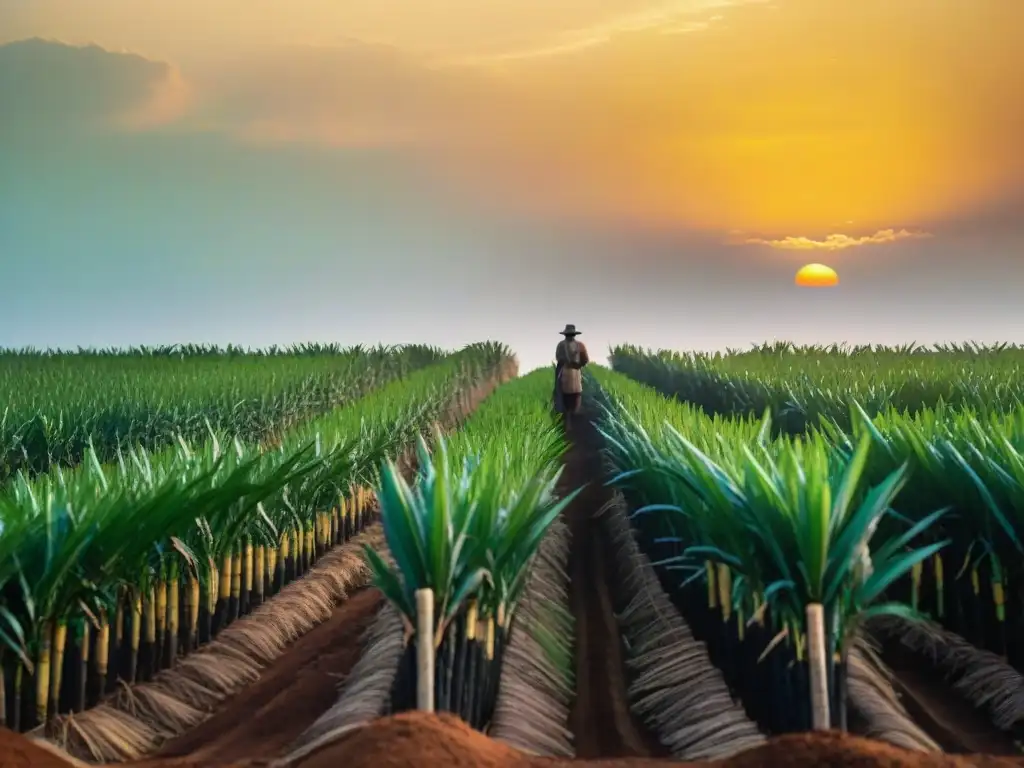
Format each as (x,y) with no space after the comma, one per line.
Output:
(19,676)
(43,671)
(162,622)
(261,573)
(485,655)
(173,616)
(151,610)
(271,568)
(818,667)
(842,686)
(725,591)
(136,636)
(103,652)
(236,587)
(247,577)
(286,559)
(60,638)
(81,699)
(490,649)
(223,593)
(802,683)
(425,650)
(465,636)
(356,510)
(118,643)
(208,602)
(194,597)
(940,585)
(298,540)
(915,585)
(447,671)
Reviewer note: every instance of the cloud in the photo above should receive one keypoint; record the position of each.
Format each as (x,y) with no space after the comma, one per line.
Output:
(838,242)
(670,18)
(771,121)
(355,94)
(47,86)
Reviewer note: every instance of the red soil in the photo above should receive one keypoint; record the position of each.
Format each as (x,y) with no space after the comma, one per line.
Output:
(415,739)
(265,718)
(600,719)
(17,751)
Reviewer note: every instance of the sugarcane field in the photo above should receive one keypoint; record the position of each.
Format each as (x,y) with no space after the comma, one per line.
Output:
(314,556)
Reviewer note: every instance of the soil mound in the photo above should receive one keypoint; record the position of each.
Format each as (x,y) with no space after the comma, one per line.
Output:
(265,717)
(17,751)
(417,739)
(845,751)
(420,740)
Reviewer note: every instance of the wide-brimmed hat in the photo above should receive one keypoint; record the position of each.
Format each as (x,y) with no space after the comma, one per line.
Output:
(570,330)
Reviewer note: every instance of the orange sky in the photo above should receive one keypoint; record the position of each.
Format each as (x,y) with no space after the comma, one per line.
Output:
(780,122)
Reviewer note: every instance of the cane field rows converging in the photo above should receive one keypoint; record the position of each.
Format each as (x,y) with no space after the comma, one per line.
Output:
(318,555)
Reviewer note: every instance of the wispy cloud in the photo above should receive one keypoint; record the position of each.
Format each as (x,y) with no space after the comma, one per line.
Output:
(838,242)
(670,18)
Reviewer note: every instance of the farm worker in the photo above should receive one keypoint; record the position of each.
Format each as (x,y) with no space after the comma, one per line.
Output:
(570,358)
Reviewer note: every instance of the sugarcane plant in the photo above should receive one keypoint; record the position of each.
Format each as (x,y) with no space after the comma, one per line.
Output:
(802,385)
(971,462)
(468,528)
(57,405)
(746,540)
(953,413)
(138,562)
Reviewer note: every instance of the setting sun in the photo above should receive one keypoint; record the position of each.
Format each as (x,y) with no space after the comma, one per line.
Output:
(816,276)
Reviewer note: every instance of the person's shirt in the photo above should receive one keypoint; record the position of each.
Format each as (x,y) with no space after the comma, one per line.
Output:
(572,354)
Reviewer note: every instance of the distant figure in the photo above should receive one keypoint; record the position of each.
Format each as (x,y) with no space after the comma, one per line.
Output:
(570,358)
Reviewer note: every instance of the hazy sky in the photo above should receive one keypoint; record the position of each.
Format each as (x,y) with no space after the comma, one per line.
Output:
(261,171)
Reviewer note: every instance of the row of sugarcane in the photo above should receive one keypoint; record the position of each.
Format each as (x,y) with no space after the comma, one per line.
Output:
(143,560)
(57,407)
(748,532)
(969,460)
(802,385)
(466,531)
(152,628)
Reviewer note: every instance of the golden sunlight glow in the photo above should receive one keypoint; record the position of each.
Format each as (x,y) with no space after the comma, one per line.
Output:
(816,276)
(785,119)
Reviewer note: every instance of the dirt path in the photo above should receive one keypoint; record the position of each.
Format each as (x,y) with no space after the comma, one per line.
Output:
(600,718)
(940,710)
(264,718)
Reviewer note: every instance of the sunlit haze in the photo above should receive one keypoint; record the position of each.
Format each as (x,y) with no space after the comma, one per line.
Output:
(447,170)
